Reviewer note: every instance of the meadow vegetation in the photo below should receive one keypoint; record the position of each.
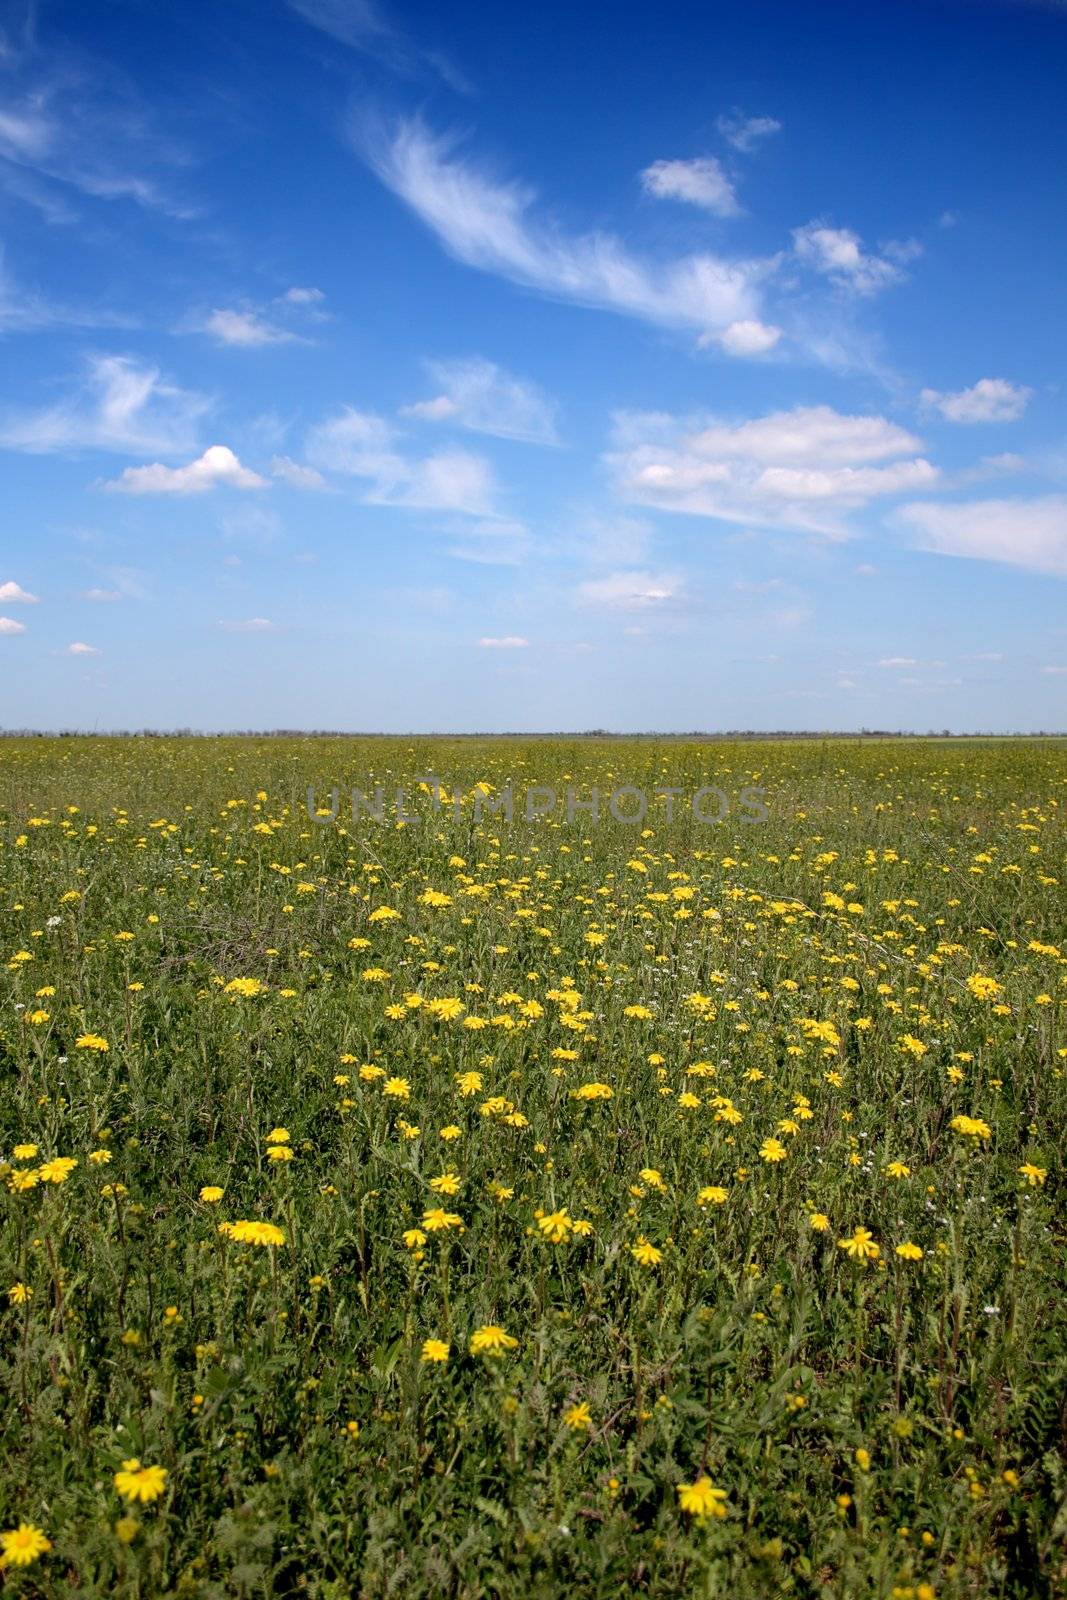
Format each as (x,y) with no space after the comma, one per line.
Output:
(480,1209)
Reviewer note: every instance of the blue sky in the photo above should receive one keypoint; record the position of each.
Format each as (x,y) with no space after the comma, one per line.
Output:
(496,368)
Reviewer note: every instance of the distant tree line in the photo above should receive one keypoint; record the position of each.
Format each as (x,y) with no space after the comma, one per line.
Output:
(738,734)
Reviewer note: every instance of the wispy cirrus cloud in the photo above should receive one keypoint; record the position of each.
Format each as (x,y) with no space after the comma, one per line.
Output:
(478,395)
(364,26)
(1025,532)
(489,541)
(367,447)
(24,132)
(119,404)
(362,445)
(76,124)
(118,583)
(744,133)
(490,224)
(26,310)
(357,23)
(451,480)
(296,475)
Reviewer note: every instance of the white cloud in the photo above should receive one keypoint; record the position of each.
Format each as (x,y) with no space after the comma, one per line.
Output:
(435,599)
(510,641)
(485,223)
(838,254)
(784,617)
(440,409)
(453,480)
(699,182)
(928,685)
(9,625)
(357,23)
(127,584)
(22,184)
(249,625)
(80,649)
(14,594)
(846,483)
(246,328)
(23,310)
(816,436)
(362,445)
(753,586)
(217,465)
(355,442)
(120,405)
(747,338)
(631,591)
(297,476)
(253,524)
(614,542)
(491,542)
(988,400)
(249,326)
(82,127)
(1055,672)
(745,133)
(1026,533)
(24,133)
(360,25)
(802,469)
(479,395)
(985,468)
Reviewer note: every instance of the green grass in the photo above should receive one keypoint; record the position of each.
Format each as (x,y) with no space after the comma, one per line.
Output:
(307,1449)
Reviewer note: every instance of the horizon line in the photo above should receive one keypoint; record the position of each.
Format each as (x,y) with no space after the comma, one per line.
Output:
(721,735)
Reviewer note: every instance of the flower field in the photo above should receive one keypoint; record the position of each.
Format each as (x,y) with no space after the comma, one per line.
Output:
(456,1207)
